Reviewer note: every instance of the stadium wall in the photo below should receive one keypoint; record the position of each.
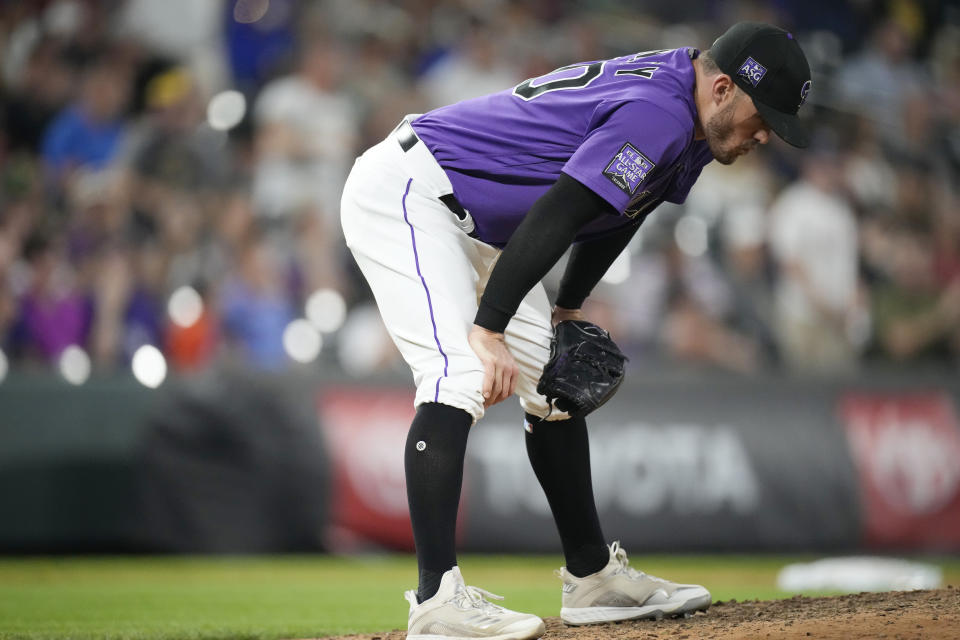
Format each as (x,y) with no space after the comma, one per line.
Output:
(233,463)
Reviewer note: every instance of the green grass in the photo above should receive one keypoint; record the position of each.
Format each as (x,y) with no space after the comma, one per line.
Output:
(300,596)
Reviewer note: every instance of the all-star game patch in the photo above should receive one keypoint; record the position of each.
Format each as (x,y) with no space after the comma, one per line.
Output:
(753,71)
(628,169)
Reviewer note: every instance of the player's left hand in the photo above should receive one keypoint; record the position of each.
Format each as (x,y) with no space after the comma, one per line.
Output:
(585,368)
(499,368)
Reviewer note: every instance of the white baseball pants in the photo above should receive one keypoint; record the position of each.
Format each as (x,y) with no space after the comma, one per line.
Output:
(427,275)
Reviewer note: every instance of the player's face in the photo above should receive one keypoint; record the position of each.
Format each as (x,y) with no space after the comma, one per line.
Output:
(736,129)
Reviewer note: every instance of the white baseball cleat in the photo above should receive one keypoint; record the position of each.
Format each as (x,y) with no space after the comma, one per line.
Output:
(458,612)
(619,592)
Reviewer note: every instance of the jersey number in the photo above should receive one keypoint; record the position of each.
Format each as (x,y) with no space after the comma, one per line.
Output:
(528,90)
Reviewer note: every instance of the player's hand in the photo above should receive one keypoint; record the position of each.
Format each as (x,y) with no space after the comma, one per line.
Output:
(499,367)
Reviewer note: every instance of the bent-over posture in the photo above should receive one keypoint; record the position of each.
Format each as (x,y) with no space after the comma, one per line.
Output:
(458,214)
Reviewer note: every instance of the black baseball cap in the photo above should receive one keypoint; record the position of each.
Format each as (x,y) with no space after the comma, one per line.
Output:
(769,65)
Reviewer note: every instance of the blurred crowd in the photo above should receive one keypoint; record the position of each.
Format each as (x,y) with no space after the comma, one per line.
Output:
(170,175)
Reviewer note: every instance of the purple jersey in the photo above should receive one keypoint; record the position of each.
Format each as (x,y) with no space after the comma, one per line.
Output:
(623,127)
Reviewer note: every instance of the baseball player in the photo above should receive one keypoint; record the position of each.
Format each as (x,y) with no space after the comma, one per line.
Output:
(454,219)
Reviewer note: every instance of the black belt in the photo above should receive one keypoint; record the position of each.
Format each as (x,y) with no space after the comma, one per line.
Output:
(406,136)
(408,139)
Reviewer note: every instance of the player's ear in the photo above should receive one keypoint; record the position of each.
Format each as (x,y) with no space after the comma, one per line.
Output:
(724,89)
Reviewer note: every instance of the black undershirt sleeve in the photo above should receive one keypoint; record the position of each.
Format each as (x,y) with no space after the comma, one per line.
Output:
(541,239)
(588,262)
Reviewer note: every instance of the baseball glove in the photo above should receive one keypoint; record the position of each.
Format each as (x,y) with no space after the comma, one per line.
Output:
(585,368)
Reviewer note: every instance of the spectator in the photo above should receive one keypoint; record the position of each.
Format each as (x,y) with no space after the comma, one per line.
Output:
(870,177)
(698,323)
(127,294)
(182,211)
(306,141)
(110,291)
(184,31)
(674,306)
(143,318)
(946,240)
(473,68)
(737,198)
(96,230)
(170,150)
(97,212)
(383,93)
(11,239)
(879,80)
(172,159)
(813,237)
(41,91)
(89,132)
(256,49)
(307,134)
(915,319)
(256,306)
(53,312)
(945,60)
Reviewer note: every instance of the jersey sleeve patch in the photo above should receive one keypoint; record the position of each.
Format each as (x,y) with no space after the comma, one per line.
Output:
(628,169)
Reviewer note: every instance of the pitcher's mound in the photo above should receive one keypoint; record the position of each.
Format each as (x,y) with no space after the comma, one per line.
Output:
(908,615)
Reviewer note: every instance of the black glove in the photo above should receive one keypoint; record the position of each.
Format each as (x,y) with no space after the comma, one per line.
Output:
(585,368)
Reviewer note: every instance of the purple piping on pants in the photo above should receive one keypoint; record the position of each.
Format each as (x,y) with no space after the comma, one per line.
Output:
(416,258)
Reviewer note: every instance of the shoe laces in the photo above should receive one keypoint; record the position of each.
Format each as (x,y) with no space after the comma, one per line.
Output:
(469,597)
(623,564)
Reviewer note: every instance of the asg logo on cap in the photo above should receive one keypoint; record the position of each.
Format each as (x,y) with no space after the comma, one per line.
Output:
(753,71)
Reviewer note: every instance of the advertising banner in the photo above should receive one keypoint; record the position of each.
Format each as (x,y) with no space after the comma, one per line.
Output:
(250,464)
(730,466)
(906,448)
(366,430)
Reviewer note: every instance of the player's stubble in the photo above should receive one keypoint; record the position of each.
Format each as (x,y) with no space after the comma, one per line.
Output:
(719,132)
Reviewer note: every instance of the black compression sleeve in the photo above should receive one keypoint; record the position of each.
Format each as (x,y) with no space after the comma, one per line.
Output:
(545,233)
(588,262)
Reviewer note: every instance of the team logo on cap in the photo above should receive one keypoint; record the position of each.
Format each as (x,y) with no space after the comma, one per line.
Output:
(753,71)
(628,169)
(804,90)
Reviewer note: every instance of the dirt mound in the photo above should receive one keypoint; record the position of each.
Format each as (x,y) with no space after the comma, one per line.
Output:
(912,615)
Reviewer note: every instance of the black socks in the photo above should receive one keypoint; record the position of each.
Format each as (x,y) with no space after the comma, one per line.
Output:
(433,461)
(559,452)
